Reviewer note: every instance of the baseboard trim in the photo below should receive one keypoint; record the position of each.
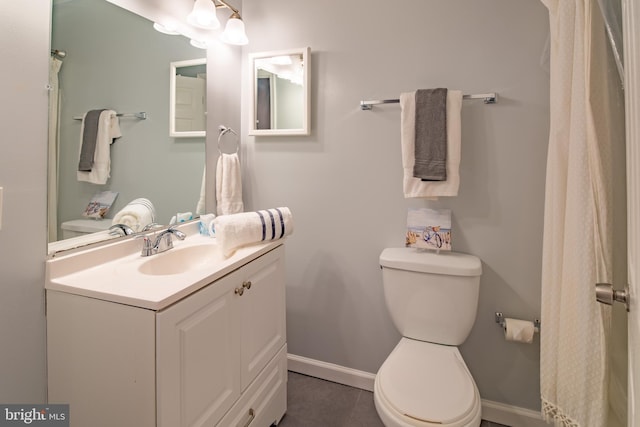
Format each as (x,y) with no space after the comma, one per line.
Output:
(491,411)
(331,372)
(511,415)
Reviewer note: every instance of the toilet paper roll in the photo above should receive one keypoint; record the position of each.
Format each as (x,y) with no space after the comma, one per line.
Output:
(518,330)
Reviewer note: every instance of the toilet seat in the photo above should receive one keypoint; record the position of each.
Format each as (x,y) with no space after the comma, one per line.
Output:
(426,384)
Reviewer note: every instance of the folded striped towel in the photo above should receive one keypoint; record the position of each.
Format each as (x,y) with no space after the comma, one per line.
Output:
(247,228)
(136,214)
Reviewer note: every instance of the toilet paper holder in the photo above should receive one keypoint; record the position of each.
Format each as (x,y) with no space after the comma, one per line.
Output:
(500,321)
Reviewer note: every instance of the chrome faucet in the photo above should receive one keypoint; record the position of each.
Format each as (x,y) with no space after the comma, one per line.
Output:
(151,226)
(125,229)
(162,243)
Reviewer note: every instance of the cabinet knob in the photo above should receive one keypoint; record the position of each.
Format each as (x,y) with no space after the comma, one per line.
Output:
(245,285)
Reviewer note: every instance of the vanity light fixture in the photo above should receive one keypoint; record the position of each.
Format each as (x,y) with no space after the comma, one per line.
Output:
(234,31)
(204,16)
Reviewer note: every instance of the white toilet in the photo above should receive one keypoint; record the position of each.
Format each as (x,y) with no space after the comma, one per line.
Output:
(432,299)
(81,227)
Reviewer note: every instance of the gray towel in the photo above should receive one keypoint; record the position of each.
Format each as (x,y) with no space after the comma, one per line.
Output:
(89,135)
(431,135)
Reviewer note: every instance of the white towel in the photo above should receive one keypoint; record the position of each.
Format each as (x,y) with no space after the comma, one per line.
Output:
(201,206)
(136,214)
(234,231)
(415,187)
(228,185)
(108,130)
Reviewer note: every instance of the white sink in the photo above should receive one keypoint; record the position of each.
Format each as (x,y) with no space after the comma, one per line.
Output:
(181,259)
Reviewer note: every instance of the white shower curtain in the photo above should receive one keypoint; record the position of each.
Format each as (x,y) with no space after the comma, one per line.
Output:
(577,221)
(52,203)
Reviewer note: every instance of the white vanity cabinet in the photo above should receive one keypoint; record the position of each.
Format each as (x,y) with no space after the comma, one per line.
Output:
(214,343)
(215,358)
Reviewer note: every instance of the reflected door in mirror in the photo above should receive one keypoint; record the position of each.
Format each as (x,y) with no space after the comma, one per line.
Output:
(187,113)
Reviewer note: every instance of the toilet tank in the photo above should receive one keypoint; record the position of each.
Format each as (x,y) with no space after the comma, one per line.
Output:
(81,227)
(431,296)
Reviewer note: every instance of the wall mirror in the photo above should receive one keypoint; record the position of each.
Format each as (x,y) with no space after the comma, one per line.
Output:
(280,92)
(127,71)
(187,98)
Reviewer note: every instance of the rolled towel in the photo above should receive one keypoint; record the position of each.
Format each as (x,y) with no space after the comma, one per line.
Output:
(246,228)
(136,214)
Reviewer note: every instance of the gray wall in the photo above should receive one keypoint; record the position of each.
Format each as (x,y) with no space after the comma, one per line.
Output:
(116,60)
(23,148)
(344,182)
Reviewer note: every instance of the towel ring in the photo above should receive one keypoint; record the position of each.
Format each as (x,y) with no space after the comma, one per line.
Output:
(223,130)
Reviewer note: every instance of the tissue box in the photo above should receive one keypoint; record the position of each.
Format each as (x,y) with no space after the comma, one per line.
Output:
(99,204)
(429,229)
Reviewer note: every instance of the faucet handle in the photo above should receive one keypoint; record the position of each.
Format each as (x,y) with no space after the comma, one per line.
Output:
(147,245)
(179,234)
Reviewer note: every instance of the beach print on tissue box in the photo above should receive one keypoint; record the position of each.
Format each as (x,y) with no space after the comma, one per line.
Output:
(429,228)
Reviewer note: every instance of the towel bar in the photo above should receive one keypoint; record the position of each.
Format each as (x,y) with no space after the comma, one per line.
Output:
(489,98)
(141,115)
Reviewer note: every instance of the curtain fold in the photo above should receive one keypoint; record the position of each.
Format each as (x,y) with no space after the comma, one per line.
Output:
(577,221)
(54,135)
(612,13)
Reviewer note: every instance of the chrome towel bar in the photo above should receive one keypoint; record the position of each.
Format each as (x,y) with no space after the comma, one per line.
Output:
(488,98)
(141,115)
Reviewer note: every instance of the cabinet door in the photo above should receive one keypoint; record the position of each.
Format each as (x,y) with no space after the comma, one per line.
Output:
(198,356)
(263,313)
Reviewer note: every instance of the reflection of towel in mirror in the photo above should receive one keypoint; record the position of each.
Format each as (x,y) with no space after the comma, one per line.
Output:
(108,129)
(201,206)
(136,214)
(246,228)
(89,134)
(228,185)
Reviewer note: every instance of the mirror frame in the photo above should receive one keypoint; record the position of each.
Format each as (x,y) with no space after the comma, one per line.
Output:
(173,66)
(306,60)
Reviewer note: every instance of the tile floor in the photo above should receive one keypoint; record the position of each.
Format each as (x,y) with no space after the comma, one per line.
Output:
(312,402)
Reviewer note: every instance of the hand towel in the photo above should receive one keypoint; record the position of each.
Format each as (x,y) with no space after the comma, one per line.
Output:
(415,187)
(108,130)
(431,135)
(201,206)
(136,214)
(90,123)
(241,229)
(228,185)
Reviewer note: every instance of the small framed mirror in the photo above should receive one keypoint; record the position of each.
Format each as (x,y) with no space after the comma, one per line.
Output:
(280,88)
(187,99)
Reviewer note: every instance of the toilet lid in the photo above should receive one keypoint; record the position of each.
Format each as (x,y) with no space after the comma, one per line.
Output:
(427,382)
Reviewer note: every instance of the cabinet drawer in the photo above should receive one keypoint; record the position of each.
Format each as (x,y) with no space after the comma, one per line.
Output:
(264,402)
